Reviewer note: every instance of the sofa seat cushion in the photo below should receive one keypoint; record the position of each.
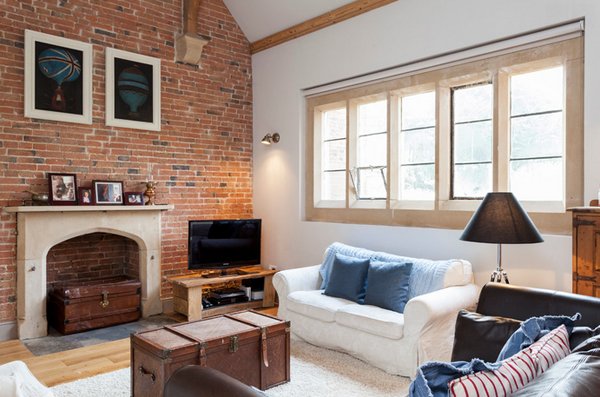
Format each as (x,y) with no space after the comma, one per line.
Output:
(372,319)
(315,305)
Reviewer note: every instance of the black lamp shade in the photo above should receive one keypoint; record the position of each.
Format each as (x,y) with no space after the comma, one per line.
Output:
(500,219)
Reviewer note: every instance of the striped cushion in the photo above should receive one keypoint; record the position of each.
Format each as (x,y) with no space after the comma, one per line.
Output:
(516,371)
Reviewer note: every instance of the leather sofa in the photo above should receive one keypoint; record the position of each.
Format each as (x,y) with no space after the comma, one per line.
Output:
(499,311)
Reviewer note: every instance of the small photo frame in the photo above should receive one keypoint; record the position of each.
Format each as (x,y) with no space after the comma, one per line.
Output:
(85,196)
(107,192)
(132,90)
(58,78)
(134,198)
(62,189)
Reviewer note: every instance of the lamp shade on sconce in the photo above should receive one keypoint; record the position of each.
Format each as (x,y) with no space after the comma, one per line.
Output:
(500,219)
(270,138)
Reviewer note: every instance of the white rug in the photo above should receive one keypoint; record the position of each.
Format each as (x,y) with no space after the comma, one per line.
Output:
(314,372)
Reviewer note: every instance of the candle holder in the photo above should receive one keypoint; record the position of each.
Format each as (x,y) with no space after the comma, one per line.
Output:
(150,193)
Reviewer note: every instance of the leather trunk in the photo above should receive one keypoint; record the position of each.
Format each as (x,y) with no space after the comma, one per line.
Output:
(248,346)
(76,307)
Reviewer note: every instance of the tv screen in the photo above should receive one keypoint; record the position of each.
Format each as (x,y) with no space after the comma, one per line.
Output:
(218,244)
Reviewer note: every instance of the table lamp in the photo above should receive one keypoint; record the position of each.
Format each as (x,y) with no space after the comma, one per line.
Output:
(500,219)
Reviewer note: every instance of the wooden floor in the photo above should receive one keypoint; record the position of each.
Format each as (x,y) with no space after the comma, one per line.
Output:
(56,368)
(70,365)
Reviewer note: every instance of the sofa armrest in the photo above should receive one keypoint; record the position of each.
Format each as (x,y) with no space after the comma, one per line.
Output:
(299,279)
(430,319)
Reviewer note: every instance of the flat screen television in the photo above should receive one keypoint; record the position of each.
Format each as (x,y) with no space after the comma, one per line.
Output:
(222,244)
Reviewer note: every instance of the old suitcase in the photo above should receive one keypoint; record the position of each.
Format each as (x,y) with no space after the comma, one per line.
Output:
(80,306)
(235,346)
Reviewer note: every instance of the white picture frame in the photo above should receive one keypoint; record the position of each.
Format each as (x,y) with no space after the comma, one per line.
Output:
(75,96)
(145,116)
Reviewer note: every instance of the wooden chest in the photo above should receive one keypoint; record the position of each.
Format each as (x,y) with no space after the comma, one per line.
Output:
(249,346)
(76,307)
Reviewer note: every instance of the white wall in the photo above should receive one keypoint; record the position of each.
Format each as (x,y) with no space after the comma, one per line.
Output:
(400,32)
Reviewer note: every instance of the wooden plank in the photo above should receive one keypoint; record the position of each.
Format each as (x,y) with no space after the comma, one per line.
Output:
(180,306)
(268,292)
(322,21)
(70,365)
(195,280)
(190,16)
(13,350)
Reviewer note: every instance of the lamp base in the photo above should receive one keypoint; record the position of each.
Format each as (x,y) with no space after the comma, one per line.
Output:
(498,275)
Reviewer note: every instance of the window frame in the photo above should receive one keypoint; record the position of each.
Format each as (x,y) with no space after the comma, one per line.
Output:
(395,156)
(352,154)
(444,212)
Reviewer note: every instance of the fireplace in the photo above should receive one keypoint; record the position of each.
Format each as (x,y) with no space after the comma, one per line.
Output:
(41,228)
(90,257)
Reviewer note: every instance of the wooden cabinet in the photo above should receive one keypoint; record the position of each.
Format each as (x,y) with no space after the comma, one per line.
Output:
(586,250)
(189,289)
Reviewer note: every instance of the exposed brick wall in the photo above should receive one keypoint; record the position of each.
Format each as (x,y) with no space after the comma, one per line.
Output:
(90,257)
(202,157)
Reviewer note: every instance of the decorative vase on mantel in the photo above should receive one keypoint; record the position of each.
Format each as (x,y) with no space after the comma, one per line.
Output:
(150,193)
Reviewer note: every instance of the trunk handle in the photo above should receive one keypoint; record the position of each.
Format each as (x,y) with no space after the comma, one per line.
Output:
(144,371)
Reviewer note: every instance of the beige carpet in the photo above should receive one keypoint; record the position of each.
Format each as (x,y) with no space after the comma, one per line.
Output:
(315,372)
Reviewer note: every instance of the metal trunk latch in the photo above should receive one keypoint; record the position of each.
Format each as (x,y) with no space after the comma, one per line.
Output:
(104,302)
(233,344)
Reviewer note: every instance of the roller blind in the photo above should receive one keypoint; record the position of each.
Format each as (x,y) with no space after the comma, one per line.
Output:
(547,35)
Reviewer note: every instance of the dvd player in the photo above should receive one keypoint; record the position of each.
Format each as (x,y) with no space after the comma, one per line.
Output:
(227,296)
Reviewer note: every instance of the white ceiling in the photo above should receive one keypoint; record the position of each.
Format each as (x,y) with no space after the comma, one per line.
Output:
(261,18)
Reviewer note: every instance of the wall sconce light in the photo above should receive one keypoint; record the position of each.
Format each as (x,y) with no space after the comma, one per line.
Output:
(270,138)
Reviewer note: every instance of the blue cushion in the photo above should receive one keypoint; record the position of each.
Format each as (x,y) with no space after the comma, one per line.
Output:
(348,278)
(533,329)
(387,285)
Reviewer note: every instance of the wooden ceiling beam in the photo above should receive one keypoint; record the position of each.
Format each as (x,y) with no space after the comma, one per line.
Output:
(322,21)
(190,16)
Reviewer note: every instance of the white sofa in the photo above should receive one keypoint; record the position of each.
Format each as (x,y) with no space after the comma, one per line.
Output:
(394,342)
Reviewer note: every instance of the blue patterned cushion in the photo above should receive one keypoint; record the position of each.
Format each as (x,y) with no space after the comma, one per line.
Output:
(348,278)
(387,285)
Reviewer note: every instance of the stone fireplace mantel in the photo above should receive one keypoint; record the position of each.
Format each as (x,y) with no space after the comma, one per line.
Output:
(40,228)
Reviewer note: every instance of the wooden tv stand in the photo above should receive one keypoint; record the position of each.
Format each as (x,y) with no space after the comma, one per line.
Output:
(188,290)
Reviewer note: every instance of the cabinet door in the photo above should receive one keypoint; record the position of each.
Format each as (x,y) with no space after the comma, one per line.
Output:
(586,255)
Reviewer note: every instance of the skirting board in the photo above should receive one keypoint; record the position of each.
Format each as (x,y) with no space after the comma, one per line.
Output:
(8,330)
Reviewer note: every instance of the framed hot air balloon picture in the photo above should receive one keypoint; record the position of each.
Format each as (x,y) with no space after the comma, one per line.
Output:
(58,78)
(132,90)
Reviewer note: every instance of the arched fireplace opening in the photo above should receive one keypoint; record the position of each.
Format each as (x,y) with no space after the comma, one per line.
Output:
(91,257)
(93,282)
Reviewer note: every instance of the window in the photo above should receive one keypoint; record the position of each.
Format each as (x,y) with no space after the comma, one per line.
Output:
(472,109)
(417,147)
(537,135)
(369,174)
(423,149)
(333,155)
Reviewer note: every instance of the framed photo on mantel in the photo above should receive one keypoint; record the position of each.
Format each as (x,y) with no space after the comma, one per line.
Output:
(62,189)
(107,192)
